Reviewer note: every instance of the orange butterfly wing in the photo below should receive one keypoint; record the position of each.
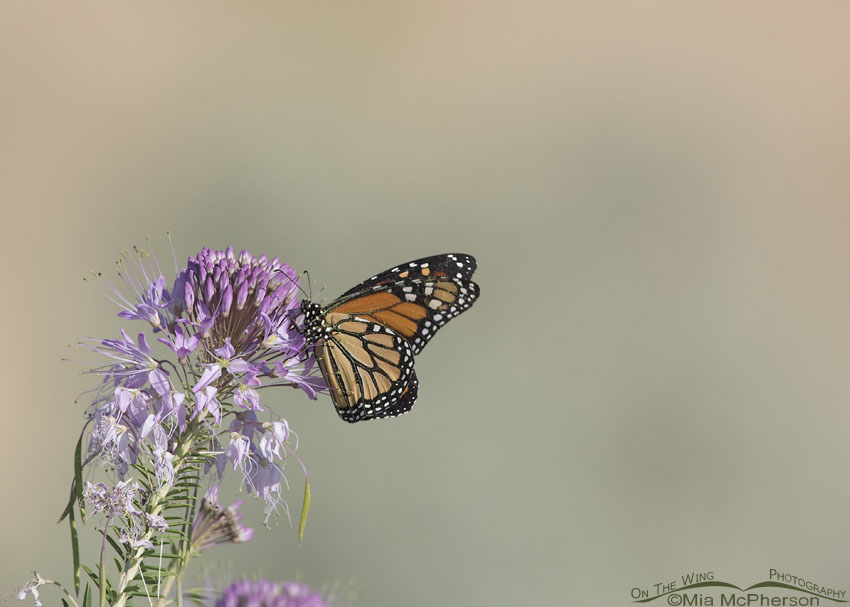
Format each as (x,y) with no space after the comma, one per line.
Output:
(365,341)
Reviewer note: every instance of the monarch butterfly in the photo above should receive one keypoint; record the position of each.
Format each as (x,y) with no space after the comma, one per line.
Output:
(364,341)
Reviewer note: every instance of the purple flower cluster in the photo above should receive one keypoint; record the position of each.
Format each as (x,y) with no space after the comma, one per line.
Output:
(230,322)
(122,502)
(263,593)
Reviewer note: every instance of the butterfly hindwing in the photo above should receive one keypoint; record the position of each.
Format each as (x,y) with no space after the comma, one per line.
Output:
(368,368)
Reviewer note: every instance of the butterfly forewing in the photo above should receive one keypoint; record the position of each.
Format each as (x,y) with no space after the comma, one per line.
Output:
(448,265)
(417,304)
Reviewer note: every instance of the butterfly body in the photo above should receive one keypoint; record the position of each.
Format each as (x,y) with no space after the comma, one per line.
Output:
(365,340)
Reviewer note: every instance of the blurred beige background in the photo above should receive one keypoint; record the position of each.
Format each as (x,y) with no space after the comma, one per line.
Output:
(655,378)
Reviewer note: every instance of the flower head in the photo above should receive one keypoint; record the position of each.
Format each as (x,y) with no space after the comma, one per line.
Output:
(112,442)
(240,297)
(122,506)
(120,501)
(264,479)
(180,344)
(31,587)
(227,330)
(150,300)
(215,525)
(135,366)
(263,593)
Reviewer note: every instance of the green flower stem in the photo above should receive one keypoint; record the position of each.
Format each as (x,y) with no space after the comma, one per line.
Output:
(155,506)
(102,563)
(175,572)
(67,594)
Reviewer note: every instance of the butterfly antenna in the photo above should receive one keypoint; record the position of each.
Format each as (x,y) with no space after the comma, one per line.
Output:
(293,281)
(309,284)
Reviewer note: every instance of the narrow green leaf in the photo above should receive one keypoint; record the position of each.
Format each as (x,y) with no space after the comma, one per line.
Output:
(75,550)
(87,597)
(199,461)
(174,534)
(95,577)
(147,552)
(197,593)
(185,485)
(304,510)
(65,603)
(72,498)
(91,573)
(117,547)
(173,497)
(78,477)
(173,505)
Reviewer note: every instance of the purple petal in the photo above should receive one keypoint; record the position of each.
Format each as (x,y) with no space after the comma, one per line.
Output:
(148,426)
(242,296)
(143,345)
(188,295)
(237,365)
(160,382)
(226,300)
(225,351)
(237,450)
(211,373)
(123,397)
